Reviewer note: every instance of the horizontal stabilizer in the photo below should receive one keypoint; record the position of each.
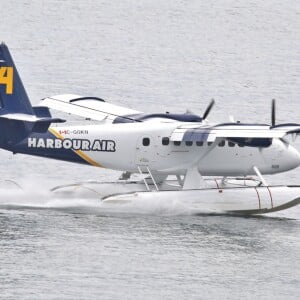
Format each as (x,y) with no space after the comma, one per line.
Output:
(31,118)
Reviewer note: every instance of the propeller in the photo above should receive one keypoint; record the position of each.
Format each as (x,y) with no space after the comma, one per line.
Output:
(273,113)
(208,109)
(231,119)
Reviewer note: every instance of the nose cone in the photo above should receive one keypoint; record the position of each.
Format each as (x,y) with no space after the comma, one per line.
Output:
(292,157)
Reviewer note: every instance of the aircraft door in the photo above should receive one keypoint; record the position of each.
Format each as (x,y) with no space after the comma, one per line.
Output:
(145,150)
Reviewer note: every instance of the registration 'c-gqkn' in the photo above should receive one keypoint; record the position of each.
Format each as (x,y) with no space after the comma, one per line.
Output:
(173,153)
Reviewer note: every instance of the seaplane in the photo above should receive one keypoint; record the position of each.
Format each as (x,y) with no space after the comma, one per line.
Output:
(180,156)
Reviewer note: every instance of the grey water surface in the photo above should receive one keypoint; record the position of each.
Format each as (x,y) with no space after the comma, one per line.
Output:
(152,56)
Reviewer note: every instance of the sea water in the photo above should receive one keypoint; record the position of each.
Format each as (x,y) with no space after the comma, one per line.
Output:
(153,56)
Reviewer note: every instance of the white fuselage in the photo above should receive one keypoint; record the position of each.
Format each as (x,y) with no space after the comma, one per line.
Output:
(126,146)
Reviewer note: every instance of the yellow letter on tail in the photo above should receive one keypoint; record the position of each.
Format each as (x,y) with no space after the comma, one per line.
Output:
(6,77)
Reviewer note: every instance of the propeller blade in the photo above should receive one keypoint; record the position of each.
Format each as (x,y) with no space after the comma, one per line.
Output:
(273,114)
(231,119)
(188,112)
(208,109)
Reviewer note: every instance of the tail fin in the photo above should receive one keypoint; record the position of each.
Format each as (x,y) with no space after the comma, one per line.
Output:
(13,97)
(17,117)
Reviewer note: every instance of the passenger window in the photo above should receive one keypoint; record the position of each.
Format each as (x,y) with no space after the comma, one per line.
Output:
(165,141)
(177,143)
(189,143)
(231,144)
(222,144)
(146,141)
(241,145)
(199,143)
(209,143)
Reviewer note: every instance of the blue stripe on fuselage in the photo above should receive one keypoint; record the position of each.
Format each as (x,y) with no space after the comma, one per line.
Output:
(56,153)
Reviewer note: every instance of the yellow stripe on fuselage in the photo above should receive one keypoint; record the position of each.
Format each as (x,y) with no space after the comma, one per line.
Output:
(78,152)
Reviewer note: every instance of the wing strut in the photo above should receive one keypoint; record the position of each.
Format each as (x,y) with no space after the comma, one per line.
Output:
(256,170)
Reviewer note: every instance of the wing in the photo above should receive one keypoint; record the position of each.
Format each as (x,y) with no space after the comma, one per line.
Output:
(235,132)
(87,107)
